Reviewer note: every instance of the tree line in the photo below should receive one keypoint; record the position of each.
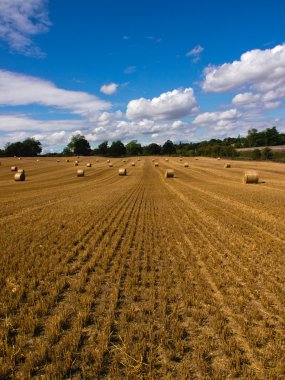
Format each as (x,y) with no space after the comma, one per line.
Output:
(79,145)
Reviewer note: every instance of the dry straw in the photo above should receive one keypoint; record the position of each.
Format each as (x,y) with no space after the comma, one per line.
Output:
(80,173)
(20,176)
(88,165)
(122,171)
(14,168)
(227,165)
(250,176)
(169,173)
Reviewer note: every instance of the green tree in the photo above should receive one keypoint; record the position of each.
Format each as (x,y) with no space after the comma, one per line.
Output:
(117,149)
(79,145)
(103,148)
(152,149)
(28,148)
(168,148)
(134,148)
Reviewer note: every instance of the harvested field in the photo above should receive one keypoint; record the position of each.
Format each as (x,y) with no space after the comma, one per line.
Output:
(142,277)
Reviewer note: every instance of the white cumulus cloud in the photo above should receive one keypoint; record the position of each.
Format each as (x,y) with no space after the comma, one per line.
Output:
(109,89)
(18,89)
(168,106)
(263,70)
(20,21)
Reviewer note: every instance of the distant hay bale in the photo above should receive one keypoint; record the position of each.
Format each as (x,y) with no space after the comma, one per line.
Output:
(166,160)
(133,164)
(122,171)
(57,160)
(169,173)
(186,165)
(180,159)
(80,173)
(75,163)
(19,158)
(152,160)
(108,161)
(67,160)
(110,165)
(124,160)
(88,165)
(227,165)
(14,168)
(21,171)
(250,176)
(218,158)
(139,159)
(20,176)
(196,158)
(156,164)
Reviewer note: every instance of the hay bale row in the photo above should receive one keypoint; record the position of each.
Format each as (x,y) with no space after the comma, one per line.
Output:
(122,171)
(169,173)
(20,176)
(80,173)
(250,176)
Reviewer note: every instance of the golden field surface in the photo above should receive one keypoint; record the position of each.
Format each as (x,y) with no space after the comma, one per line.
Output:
(142,276)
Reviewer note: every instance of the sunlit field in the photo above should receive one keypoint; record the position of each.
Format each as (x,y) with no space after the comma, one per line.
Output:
(141,276)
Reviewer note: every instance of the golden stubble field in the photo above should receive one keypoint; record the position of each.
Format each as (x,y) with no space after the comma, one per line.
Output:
(142,277)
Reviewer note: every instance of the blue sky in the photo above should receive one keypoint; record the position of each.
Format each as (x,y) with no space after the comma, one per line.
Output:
(146,70)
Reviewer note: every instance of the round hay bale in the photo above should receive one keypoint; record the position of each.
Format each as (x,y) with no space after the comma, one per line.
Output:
(196,159)
(88,165)
(21,171)
(152,160)
(133,164)
(67,160)
(227,165)
(166,160)
(180,159)
(19,158)
(124,160)
(122,171)
(75,163)
(108,161)
(250,176)
(169,173)
(156,164)
(57,160)
(20,176)
(80,173)
(139,159)
(110,165)
(218,158)
(186,165)
(14,168)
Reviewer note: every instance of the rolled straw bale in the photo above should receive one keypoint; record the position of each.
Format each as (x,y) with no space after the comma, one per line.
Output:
(186,165)
(108,160)
(19,158)
(133,164)
(180,159)
(196,159)
(152,160)
(80,173)
(156,164)
(218,158)
(21,171)
(227,165)
(20,176)
(67,160)
(110,165)
(88,165)
(124,160)
(250,176)
(169,173)
(166,159)
(14,168)
(75,163)
(57,160)
(122,171)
